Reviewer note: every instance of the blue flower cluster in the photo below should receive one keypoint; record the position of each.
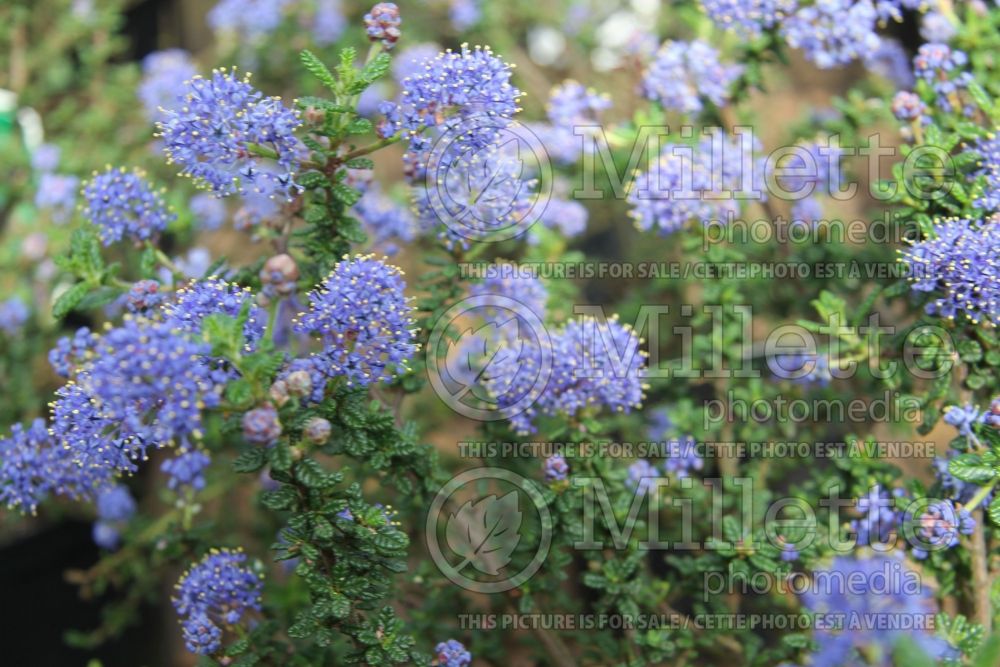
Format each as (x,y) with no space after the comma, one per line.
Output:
(678,188)
(884,600)
(364,319)
(382,24)
(115,506)
(504,284)
(143,296)
(452,88)
(939,526)
(452,653)
(941,67)
(72,352)
(881,517)
(593,364)
(387,223)
(57,194)
(989,168)
(747,17)
(833,32)
(13,315)
(959,260)
(32,466)
(186,469)
(214,128)
(144,386)
(122,203)
(555,468)
(195,301)
(216,593)
(164,73)
(685,74)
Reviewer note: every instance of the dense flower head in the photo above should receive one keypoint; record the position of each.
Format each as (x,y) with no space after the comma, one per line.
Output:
(317,430)
(57,194)
(250,19)
(208,211)
(464,14)
(555,468)
(186,469)
(327,21)
(14,314)
(883,598)
(640,475)
(451,88)
(115,503)
(476,194)
(907,106)
(958,264)
(122,204)
(452,653)
(71,352)
(143,386)
(144,295)
(747,17)
(210,129)
(505,282)
(684,74)
(215,593)
(262,425)
(364,320)
(682,185)
(163,75)
(382,24)
(566,216)
(936,27)
(682,457)
(802,368)
(45,158)
(989,168)
(939,526)
(571,103)
(593,364)
(279,275)
(964,418)
(891,61)
(833,32)
(387,223)
(32,466)
(881,517)
(198,299)
(943,69)
(410,61)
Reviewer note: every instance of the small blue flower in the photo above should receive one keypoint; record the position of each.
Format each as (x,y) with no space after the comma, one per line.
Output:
(164,74)
(13,315)
(261,425)
(123,204)
(685,74)
(641,475)
(939,527)
(832,33)
(555,468)
(364,319)
(143,296)
(208,211)
(452,653)
(210,130)
(382,24)
(57,194)
(186,469)
(214,593)
(958,264)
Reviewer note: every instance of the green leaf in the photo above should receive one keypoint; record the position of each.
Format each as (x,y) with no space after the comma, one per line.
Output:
(318,70)
(359,163)
(281,457)
(377,68)
(69,300)
(969,468)
(312,474)
(346,194)
(359,126)
(251,460)
(994,510)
